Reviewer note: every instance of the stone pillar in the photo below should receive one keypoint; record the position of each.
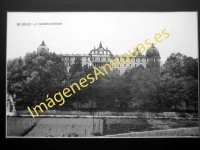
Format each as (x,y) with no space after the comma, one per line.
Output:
(14,110)
(104,127)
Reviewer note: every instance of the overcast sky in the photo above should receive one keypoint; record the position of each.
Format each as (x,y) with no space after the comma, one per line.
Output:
(119,31)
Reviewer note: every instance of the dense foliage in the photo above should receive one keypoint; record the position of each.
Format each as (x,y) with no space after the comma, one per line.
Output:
(174,85)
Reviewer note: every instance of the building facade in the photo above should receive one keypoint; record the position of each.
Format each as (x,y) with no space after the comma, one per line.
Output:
(10,105)
(99,56)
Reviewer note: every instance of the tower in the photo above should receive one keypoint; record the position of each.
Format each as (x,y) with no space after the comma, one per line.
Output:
(43,48)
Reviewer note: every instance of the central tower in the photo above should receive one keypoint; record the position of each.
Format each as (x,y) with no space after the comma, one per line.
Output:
(100,56)
(43,48)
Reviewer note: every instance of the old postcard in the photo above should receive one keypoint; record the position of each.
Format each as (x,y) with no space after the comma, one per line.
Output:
(102,74)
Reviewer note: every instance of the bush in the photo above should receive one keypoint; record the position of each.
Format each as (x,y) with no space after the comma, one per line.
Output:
(73,135)
(182,115)
(96,134)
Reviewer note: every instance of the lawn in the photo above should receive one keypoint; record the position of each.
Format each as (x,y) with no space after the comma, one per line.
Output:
(18,126)
(117,126)
(57,127)
(83,127)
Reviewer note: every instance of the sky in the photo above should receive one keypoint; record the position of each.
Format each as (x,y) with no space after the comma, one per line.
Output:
(118,31)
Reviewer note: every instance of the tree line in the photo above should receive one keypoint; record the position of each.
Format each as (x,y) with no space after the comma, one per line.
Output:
(173,85)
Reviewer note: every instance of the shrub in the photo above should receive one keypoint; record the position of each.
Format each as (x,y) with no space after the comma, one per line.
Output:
(96,134)
(182,115)
(73,135)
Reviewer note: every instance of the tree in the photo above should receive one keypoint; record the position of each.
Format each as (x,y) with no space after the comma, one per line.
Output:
(35,75)
(15,77)
(189,91)
(179,81)
(76,67)
(173,64)
(190,67)
(142,85)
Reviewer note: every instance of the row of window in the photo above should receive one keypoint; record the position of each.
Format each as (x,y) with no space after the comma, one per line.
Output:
(101,52)
(135,59)
(124,59)
(100,65)
(100,59)
(125,65)
(119,71)
(74,58)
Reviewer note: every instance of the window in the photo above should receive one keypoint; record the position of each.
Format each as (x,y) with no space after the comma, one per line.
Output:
(135,65)
(119,71)
(106,58)
(11,108)
(100,58)
(130,65)
(146,59)
(135,59)
(141,60)
(94,58)
(124,65)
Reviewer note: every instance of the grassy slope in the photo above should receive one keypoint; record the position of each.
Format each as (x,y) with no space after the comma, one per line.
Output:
(16,126)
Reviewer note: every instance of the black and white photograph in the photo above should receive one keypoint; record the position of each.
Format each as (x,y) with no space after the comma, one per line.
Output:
(102,75)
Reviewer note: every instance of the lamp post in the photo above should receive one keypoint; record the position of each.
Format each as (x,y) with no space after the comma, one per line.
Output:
(98,116)
(93,117)
(116,101)
(14,96)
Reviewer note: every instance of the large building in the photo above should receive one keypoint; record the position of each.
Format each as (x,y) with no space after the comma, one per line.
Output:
(99,56)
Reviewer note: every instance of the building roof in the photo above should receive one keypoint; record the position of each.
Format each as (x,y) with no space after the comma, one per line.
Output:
(43,44)
(9,97)
(152,52)
(43,48)
(100,51)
